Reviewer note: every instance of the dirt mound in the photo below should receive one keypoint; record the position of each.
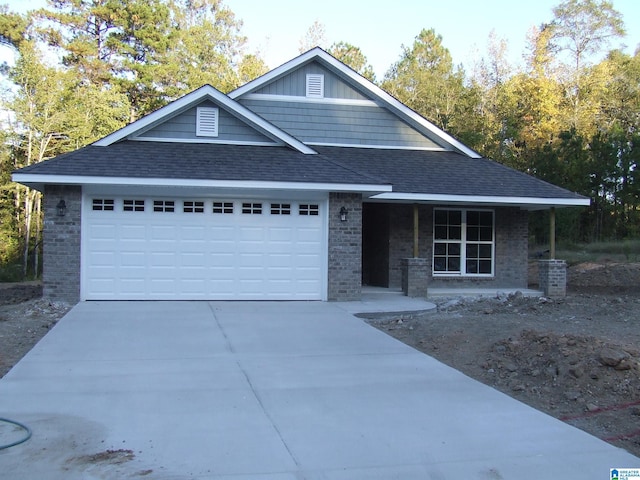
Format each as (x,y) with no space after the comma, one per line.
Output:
(610,276)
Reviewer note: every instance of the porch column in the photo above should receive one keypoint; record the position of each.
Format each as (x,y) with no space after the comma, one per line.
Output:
(552,233)
(552,273)
(414,270)
(416,231)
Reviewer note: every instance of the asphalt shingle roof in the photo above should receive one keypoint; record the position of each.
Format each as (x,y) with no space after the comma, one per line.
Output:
(408,171)
(445,173)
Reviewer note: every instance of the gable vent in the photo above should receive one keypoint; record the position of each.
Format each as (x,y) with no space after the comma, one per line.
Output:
(207,122)
(315,85)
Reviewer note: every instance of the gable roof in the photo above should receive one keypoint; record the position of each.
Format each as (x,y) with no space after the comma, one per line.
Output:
(206,92)
(357,80)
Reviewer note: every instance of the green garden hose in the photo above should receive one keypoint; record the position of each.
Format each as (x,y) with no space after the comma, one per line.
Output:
(17,442)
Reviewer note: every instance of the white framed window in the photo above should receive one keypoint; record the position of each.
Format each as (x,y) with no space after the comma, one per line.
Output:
(252,208)
(463,242)
(280,209)
(103,204)
(308,209)
(164,206)
(133,205)
(192,207)
(222,207)
(315,85)
(207,122)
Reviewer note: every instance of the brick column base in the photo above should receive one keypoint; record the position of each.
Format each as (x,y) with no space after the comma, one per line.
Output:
(552,277)
(415,277)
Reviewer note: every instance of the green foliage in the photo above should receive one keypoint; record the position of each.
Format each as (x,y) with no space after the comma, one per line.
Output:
(425,79)
(353,57)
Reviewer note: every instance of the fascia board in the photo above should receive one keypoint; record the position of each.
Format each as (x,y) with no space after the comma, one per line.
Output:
(397,106)
(533,202)
(29,179)
(207,91)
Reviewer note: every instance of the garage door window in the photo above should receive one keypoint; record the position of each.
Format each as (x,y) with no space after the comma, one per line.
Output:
(133,206)
(252,208)
(163,206)
(308,209)
(103,204)
(222,207)
(280,209)
(193,207)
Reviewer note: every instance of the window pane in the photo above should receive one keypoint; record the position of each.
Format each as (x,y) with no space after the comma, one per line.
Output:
(472,251)
(440,249)
(485,251)
(439,264)
(486,234)
(455,233)
(485,266)
(472,266)
(455,217)
(453,264)
(440,232)
(473,218)
(440,217)
(454,249)
(473,234)
(486,219)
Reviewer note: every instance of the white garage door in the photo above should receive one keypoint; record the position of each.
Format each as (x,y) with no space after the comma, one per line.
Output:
(198,249)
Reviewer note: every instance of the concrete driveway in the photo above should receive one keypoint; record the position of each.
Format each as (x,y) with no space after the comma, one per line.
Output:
(279,391)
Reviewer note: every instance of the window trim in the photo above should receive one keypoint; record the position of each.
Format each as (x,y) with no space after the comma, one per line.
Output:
(463,242)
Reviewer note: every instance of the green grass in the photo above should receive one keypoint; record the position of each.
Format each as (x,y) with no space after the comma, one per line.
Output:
(612,251)
(11,273)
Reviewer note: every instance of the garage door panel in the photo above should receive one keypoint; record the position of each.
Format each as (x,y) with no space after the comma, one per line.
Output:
(177,255)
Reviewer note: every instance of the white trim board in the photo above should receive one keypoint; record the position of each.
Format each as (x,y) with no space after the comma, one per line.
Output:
(528,202)
(181,182)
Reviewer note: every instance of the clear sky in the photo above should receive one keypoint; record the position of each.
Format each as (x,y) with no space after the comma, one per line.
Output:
(380,28)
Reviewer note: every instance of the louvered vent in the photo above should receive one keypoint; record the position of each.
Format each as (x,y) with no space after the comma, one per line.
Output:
(315,85)
(207,122)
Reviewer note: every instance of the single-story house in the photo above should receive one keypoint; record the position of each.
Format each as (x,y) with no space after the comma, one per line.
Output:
(304,184)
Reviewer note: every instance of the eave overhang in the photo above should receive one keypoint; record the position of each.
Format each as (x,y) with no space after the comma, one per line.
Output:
(38,181)
(525,203)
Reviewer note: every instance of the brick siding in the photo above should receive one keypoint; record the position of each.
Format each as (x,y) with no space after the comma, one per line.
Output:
(345,248)
(61,244)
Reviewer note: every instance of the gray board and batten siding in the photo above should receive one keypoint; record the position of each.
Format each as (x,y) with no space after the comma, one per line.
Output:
(183,127)
(344,116)
(294,84)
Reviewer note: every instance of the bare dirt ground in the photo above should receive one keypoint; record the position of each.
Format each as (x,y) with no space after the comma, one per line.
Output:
(24,319)
(576,358)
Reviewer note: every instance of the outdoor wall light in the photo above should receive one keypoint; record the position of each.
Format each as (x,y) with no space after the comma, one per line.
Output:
(61,208)
(343,214)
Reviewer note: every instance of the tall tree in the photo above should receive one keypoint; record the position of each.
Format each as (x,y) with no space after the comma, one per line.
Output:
(353,57)
(315,36)
(582,28)
(486,124)
(207,48)
(425,79)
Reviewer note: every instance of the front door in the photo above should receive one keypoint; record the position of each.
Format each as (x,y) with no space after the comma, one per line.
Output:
(375,244)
